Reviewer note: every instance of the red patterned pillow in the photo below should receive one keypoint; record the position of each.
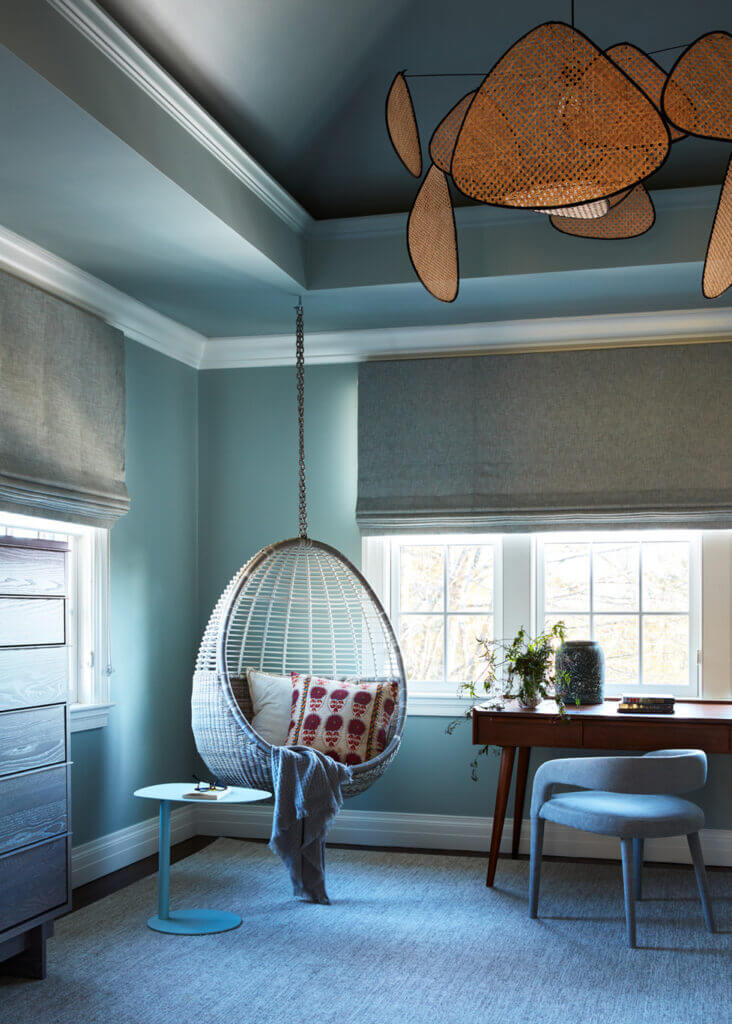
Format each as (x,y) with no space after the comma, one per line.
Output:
(347,720)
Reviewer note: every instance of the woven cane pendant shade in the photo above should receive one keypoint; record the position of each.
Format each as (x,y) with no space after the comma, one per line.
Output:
(431,237)
(445,135)
(718,264)
(402,125)
(556,123)
(646,74)
(632,216)
(697,97)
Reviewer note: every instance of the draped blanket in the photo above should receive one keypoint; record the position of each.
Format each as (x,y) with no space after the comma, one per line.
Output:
(307,792)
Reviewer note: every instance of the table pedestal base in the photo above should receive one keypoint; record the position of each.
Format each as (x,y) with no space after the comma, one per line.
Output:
(195,922)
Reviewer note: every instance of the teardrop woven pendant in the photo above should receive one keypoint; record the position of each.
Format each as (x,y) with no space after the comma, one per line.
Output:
(631,217)
(718,264)
(697,97)
(431,237)
(402,125)
(556,123)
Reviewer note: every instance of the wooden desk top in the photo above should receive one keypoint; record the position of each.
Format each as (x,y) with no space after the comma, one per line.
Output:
(686,710)
(704,725)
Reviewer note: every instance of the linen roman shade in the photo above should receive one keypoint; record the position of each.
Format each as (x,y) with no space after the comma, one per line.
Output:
(62,409)
(551,440)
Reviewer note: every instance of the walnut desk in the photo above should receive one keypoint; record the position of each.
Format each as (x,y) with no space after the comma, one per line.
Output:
(703,725)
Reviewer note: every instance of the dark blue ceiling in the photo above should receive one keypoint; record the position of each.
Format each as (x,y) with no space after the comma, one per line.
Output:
(301,83)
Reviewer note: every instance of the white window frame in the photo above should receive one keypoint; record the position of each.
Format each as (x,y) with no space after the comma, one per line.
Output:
(380,568)
(87,611)
(520,600)
(694,538)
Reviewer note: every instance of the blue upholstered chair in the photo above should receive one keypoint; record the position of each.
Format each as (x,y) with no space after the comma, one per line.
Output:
(634,798)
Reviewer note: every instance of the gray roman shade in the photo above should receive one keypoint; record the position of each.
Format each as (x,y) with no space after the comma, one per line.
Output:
(551,440)
(62,409)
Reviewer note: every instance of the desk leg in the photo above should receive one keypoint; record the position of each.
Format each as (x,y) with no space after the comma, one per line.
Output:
(499,815)
(522,770)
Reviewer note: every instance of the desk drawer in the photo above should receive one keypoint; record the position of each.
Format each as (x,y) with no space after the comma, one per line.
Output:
(655,735)
(33,807)
(30,676)
(28,621)
(32,739)
(526,732)
(34,881)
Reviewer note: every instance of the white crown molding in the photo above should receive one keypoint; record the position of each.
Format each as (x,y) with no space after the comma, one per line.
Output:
(457,832)
(486,217)
(685,326)
(31,263)
(118,47)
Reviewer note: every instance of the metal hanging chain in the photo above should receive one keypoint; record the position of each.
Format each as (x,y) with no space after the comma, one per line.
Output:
(300,363)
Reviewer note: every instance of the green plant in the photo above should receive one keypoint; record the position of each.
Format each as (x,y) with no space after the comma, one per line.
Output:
(520,669)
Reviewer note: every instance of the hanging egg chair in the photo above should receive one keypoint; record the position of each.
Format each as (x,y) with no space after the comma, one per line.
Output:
(297,606)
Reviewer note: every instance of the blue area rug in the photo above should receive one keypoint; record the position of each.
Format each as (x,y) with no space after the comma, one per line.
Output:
(409,938)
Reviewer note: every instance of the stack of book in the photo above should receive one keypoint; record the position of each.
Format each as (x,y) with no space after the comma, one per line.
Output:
(646,704)
(207,794)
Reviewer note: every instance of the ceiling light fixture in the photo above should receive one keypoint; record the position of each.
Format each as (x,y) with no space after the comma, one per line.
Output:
(562,128)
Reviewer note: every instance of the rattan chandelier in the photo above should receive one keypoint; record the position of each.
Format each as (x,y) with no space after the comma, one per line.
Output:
(562,128)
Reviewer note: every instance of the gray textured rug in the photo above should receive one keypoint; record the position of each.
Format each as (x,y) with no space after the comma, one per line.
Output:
(408,938)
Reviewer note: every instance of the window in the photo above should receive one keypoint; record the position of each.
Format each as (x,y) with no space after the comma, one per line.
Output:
(637,595)
(442,594)
(87,612)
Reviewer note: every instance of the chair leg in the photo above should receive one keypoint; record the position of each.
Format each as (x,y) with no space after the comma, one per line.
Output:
(537,841)
(701,878)
(626,852)
(638,868)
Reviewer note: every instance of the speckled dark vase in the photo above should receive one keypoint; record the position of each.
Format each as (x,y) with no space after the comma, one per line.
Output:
(583,661)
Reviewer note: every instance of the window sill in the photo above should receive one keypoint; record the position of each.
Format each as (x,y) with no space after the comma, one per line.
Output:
(88,716)
(443,705)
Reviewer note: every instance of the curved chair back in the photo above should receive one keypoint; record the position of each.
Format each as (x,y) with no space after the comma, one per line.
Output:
(658,772)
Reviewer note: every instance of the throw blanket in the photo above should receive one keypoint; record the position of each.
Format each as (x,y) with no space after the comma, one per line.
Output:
(307,792)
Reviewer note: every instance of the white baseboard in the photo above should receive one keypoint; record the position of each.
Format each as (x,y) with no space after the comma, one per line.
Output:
(118,849)
(457,832)
(375,828)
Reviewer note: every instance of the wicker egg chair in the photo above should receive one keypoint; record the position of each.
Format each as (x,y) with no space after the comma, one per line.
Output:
(296,606)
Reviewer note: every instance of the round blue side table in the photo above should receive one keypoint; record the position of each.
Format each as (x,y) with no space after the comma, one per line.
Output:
(188,922)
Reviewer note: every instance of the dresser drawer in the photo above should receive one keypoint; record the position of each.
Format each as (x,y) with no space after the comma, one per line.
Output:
(28,621)
(32,739)
(32,571)
(33,807)
(30,676)
(34,881)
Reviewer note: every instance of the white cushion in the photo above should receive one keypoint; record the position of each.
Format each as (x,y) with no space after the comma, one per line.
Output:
(271,700)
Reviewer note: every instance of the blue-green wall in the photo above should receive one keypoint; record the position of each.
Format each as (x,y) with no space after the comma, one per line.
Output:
(154,619)
(248,498)
(179,545)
